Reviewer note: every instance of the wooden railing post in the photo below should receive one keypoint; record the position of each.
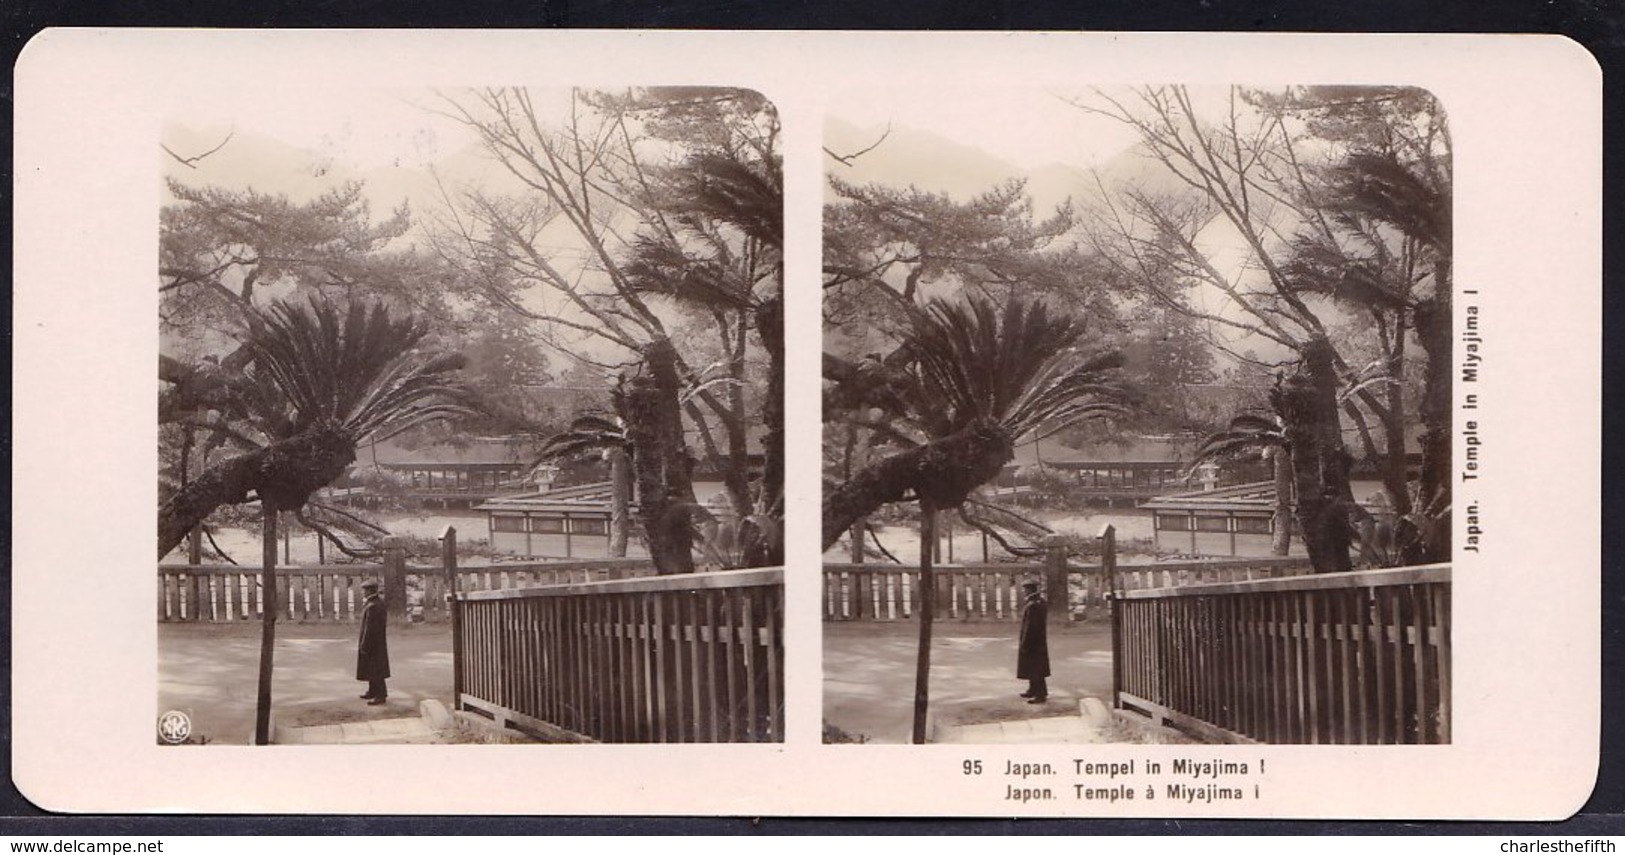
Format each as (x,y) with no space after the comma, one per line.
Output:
(1108,558)
(1108,583)
(395,578)
(1323,666)
(448,558)
(691,657)
(1055,582)
(448,562)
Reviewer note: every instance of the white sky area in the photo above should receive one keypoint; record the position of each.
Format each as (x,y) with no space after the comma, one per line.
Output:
(392,138)
(975,137)
(1028,127)
(364,130)
(304,142)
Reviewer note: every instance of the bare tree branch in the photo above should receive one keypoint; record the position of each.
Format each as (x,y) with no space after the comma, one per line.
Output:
(846,159)
(191,162)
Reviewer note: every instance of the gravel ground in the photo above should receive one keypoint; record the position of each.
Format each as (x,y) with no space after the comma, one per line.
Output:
(869,674)
(211,672)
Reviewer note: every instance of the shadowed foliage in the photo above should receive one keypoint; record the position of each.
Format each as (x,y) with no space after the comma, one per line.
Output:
(319,380)
(976,376)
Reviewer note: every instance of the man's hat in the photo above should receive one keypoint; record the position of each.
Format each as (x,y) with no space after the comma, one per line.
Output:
(369,585)
(1030,585)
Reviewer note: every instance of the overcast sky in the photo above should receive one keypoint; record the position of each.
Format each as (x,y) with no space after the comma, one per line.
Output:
(1028,127)
(366,129)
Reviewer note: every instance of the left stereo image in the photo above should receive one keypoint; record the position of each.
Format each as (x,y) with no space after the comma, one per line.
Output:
(470,417)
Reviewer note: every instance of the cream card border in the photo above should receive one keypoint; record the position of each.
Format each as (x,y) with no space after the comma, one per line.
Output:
(1526,118)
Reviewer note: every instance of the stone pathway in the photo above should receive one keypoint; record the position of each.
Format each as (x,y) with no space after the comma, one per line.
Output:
(869,680)
(394,731)
(1057,729)
(1087,726)
(211,673)
(433,724)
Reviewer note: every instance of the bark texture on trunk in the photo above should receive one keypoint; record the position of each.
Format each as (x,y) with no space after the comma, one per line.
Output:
(928,606)
(940,474)
(269,601)
(620,501)
(283,475)
(1307,404)
(1434,330)
(762,548)
(1281,540)
(663,468)
(1396,470)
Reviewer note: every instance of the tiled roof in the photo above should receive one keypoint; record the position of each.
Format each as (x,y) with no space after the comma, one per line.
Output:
(1138,449)
(1258,495)
(1254,496)
(584,497)
(475,451)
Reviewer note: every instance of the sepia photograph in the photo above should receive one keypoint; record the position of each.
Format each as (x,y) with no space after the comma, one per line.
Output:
(1137,415)
(471,418)
(1156,426)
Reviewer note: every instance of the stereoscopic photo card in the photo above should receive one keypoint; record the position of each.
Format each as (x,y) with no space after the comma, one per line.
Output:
(855,424)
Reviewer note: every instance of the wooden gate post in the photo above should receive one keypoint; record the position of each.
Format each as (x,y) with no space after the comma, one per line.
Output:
(1108,572)
(395,578)
(448,562)
(1108,558)
(448,558)
(1055,587)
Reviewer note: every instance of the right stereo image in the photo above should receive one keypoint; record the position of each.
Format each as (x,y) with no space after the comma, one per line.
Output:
(1137,415)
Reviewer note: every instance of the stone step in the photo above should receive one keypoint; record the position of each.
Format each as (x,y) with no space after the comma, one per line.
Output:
(1085,726)
(398,731)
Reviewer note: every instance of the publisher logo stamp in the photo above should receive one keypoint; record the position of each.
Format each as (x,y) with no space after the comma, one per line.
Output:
(174,727)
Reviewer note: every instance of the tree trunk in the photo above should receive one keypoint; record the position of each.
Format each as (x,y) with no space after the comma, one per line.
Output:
(860,531)
(766,549)
(662,465)
(620,501)
(268,606)
(287,472)
(1433,329)
(928,605)
(942,473)
(1281,540)
(1307,404)
(1396,478)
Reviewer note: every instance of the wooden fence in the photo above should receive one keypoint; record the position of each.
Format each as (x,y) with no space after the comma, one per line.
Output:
(1173,574)
(507,576)
(889,592)
(691,658)
(222,593)
(226,592)
(1350,658)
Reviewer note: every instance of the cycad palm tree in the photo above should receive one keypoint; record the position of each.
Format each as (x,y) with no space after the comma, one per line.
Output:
(320,380)
(718,247)
(976,376)
(979,376)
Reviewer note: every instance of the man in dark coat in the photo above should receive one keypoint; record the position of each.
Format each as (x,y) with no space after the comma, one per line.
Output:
(1032,650)
(372,654)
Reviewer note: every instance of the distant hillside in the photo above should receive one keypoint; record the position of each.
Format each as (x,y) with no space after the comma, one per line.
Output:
(929,161)
(267,165)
